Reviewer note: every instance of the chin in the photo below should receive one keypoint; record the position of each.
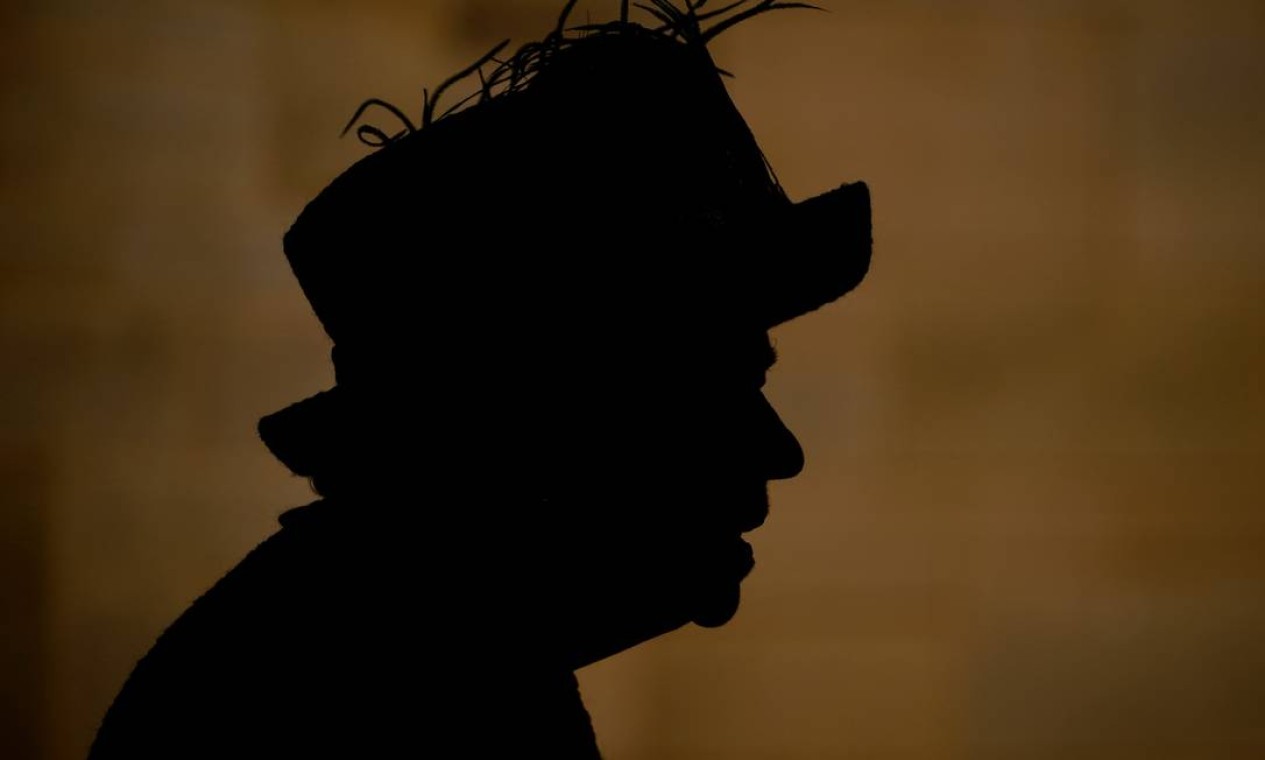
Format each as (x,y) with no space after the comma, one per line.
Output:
(719,608)
(700,584)
(722,593)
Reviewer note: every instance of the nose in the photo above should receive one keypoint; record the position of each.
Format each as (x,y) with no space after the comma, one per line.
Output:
(782,455)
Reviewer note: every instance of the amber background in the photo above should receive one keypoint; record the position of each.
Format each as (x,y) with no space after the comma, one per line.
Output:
(1030,526)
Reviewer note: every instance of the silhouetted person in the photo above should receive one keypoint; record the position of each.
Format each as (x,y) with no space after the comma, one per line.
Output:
(549,313)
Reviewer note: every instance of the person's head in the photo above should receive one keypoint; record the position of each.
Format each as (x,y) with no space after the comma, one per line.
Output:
(550,314)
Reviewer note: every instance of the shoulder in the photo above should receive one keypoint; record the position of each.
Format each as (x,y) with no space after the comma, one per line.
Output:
(247,648)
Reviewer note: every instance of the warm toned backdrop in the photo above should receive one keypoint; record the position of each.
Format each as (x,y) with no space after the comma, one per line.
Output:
(1031,523)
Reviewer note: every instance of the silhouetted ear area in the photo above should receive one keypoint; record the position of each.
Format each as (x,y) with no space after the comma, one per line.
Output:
(816,251)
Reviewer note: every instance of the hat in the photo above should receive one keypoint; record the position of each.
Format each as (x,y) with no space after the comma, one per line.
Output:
(614,182)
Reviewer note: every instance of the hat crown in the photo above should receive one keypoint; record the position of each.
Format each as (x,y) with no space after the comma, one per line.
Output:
(617,192)
(622,151)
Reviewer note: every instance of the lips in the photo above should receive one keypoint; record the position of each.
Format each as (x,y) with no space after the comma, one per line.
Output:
(744,557)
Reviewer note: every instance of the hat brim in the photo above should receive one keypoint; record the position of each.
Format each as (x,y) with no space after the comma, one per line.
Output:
(820,250)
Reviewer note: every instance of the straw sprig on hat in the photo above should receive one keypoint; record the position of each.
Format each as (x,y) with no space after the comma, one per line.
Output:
(692,25)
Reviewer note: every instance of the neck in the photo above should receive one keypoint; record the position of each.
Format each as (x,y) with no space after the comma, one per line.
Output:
(435,617)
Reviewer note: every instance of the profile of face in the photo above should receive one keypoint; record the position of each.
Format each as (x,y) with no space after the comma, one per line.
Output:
(667,465)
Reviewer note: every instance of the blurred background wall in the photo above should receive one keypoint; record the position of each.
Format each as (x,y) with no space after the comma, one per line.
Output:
(1030,525)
